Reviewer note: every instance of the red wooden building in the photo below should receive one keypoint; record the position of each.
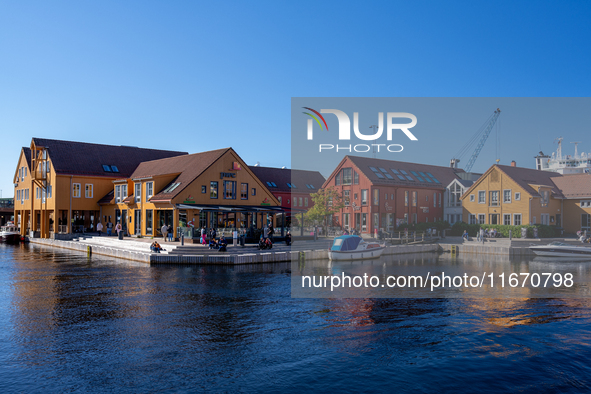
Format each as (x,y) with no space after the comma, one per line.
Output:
(291,187)
(382,194)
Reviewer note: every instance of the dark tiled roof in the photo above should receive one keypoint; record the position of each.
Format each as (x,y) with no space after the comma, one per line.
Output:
(27,152)
(188,168)
(282,176)
(466,183)
(443,174)
(81,158)
(526,176)
(574,186)
(109,198)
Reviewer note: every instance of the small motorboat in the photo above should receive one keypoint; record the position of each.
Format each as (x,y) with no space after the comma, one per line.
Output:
(561,249)
(10,234)
(353,247)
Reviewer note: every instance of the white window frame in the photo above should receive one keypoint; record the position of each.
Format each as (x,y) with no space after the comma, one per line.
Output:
(138,191)
(517,196)
(505,216)
(483,216)
(149,190)
(484,194)
(86,190)
(117,194)
(74,190)
(505,201)
(515,215)
(472,198)
(123,192)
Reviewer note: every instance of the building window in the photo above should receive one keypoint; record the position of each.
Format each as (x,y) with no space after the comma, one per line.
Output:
(481,197)
(376,196)
(414,199)
(434,200)
(439,196)
(213,190)
(506,196)
(301,201)
(346,197)
(406,198)
(471,197)
(149,190)
(455,193)
(149,219)
(507,219)
(346,176)
(337,179)
(123,192)
(306,201)
(76,190)
(414,218)
(244,191)
(203,189)
(49,191)
(385,196)
(472,219)
(88,190)
(364,222)
(517,196)
(295,202)
(254,192)
(138,192)
(481,217)
(26,194)
(229,190)
(517,219)
(279,199)
(545,197)
(355,178)
(364,197)
(494,198)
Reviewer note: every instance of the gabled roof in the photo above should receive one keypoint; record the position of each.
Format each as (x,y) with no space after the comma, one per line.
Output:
(463,182)
(188,168)
(282,176)
(574,186)
(442,174)
(27,152)
(525,177)
(81,158)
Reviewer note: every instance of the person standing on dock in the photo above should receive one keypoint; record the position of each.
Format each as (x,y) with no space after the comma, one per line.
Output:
(118,228)
(164,231)
(99,228)
(109,228)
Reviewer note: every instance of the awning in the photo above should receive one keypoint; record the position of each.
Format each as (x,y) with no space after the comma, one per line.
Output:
(231,208)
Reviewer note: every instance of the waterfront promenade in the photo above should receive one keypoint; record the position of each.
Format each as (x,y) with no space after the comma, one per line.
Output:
(138,249)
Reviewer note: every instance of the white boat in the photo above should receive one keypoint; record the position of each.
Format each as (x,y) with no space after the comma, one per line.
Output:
(353,247)
(560,249)
(9,233)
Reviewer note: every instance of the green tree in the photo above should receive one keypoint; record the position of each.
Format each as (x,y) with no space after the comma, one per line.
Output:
(327,202)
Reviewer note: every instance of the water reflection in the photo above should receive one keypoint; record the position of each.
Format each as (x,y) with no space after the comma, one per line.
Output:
(76,324)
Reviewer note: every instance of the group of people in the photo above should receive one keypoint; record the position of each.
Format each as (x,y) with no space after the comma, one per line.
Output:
(481,234)
(99,228)
(167,232)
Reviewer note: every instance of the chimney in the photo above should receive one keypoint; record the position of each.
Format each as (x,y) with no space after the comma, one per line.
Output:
(513,164)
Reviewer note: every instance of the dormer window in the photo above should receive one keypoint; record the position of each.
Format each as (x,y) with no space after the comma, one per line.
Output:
(106,168)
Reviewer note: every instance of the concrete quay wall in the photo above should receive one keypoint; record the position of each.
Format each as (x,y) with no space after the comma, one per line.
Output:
(88,249)
(216,259)
(506,249)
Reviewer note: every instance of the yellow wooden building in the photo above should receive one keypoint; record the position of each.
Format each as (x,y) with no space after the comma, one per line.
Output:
(576,189)
(510,195)
(58,184)
(214,189)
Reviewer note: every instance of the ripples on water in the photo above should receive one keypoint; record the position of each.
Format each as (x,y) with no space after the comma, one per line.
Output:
(103,325)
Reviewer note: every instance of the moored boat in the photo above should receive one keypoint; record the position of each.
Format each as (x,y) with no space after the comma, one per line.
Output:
(353,247)
(9,233)
(561,249)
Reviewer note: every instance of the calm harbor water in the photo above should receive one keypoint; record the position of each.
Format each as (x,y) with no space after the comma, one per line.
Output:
(73,324)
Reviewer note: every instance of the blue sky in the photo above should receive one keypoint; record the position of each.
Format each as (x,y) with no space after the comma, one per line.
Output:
(195,76)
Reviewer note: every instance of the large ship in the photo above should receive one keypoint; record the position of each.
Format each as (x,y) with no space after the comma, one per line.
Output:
(566,164)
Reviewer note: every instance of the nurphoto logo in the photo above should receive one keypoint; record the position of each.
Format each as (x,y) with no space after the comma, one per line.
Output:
(345,130)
